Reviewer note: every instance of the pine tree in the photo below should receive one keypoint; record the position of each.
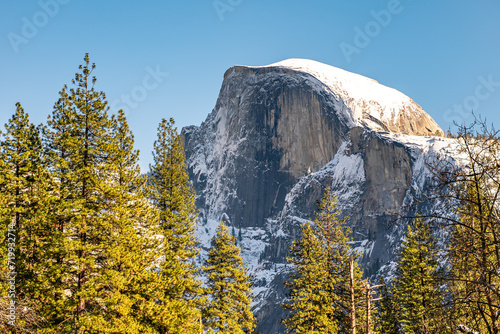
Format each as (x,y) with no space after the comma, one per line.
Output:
(128,283)
(23,213)
(320,291)
(418,294)
(79,133)
(172,194)
(312,304)
(228,287)
(104,249)
(386,318)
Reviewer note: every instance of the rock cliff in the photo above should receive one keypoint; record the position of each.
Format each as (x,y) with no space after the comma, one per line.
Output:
(278,136)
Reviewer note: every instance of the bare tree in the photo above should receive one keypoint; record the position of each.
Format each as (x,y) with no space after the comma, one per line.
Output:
(468,186)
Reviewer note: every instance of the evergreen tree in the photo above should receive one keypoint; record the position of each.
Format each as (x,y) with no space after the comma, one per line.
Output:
(101,277)
(77,139)
(171,191)
(312,304)
(228,287)
(172,194)
(127,284)
(23,214)
(320,290)
(386,317)
(419,297)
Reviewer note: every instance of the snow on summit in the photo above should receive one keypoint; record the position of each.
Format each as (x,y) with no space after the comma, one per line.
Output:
(370,104)
(353,88)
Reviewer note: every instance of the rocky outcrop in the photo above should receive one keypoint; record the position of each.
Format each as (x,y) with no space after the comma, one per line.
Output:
(278,136)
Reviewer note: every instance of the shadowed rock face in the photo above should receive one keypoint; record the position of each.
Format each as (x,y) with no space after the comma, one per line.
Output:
(275,140)
(267,132)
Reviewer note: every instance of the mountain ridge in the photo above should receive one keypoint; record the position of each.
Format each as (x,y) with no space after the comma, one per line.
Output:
(275,140)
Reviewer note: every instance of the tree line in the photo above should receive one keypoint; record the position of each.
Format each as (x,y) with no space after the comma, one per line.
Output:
(91,245)
(450,286)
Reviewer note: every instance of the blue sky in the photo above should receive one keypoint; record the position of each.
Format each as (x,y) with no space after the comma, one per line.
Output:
(170,55)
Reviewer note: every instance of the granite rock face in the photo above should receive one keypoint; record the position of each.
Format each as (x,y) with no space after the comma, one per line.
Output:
(278,136)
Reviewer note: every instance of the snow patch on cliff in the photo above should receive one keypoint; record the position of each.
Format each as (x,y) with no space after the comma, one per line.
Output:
(346,175)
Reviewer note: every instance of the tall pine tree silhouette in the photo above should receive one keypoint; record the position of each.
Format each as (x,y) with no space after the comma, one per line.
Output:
(104,245)
(174,198)
(417,293)
(78,135)
(228,309)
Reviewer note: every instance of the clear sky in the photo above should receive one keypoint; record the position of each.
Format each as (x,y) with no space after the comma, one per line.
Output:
(169,56)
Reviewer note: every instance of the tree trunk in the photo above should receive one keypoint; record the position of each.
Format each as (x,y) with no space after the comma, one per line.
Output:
(353,304)
(368,310)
